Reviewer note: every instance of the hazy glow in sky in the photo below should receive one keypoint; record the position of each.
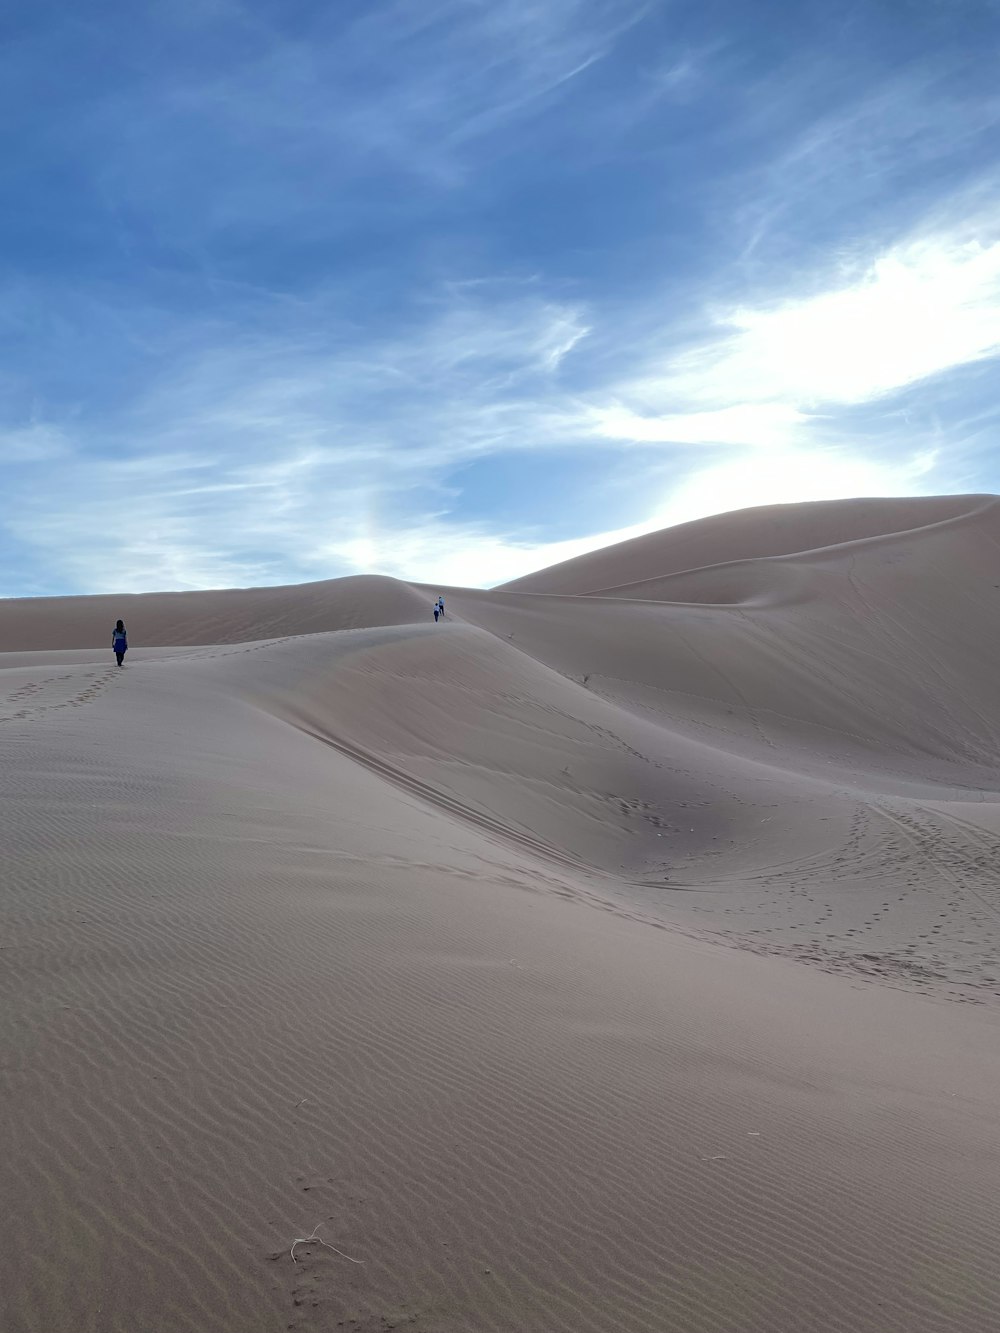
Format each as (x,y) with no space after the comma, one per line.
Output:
(451,290)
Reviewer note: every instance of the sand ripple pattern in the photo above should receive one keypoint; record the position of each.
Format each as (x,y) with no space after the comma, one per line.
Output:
(298,937)
(252,986)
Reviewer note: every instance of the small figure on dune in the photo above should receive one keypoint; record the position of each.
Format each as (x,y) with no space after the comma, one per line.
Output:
(119,641)
(435,613)
(441,607)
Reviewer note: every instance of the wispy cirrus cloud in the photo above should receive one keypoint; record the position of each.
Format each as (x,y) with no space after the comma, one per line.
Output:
(447,290)
(920,308)
(240,459)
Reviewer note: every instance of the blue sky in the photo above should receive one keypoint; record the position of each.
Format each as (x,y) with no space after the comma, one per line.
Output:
(450,290)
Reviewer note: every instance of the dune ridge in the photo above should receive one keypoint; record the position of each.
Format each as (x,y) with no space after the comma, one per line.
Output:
(228,615)
(754,533)
(619,958)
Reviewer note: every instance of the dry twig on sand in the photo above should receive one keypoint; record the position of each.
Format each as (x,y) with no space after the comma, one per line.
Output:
(318,1240)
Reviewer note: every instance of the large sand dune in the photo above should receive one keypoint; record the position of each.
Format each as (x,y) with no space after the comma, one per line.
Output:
(620,953)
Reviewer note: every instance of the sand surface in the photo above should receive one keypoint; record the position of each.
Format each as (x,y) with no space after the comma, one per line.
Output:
(621,953)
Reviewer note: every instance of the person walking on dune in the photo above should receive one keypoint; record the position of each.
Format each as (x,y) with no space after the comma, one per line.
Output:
(435,613)
(441,607)
(119,641)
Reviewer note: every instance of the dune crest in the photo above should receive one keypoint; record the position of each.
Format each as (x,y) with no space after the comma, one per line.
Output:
(747,534)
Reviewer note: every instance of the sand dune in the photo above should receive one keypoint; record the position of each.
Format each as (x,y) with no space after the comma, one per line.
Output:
(234,615)
(773,530)
(620,953)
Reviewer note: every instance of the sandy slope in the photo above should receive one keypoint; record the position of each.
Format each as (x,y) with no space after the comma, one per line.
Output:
(232,615)
(774,530)
(327,914)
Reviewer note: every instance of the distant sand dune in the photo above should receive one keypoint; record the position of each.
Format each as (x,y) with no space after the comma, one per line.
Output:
(232,615)
(620,953)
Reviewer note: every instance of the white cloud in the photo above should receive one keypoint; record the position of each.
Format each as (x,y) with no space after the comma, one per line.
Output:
(298,451)
(924,306)
(756,424)
(271,460)
(354,162)
(781,373)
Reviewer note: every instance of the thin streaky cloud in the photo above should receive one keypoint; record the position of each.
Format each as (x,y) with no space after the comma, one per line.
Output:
(292,292)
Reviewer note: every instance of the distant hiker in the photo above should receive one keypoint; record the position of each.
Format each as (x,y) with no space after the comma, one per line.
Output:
(435,613)
(441,606)
(119,641)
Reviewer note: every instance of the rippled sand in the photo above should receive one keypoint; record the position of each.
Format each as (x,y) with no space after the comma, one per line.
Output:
(619,954)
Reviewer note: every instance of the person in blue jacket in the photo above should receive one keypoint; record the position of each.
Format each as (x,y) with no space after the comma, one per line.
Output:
(119,641)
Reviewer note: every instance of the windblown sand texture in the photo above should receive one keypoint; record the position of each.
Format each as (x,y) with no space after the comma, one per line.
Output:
(619,954)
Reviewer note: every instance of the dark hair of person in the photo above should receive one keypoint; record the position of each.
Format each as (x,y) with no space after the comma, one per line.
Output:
(120,625)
